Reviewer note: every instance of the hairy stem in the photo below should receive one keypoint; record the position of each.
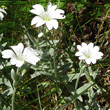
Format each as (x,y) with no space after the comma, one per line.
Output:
(39,98)
(58,3)
(13,98)
(55,69)
(76,86)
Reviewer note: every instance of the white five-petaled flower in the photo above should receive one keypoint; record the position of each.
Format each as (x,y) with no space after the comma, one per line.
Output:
(1,13)
(47,17)
(18,55)
(89,53)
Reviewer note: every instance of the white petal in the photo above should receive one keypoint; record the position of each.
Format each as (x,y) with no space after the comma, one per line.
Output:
(38,9)
(85,48)
(54,23)
(90,45)
(88,61)
(84,45)
(33,60)
(49,25)
(38,21)
(2,10)
(93,60)
(98,55)
(18,49)
(28,51)
(30,55)
(35,20)
(19,63)
(1,16)
(13,61)
(34,12)
(82,57)
(51,8)
(49,5)
(8,54)
(78,54)
(96,49)
(79,48)
(58,14)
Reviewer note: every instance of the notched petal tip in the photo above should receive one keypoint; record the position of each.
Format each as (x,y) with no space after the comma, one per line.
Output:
(7,54)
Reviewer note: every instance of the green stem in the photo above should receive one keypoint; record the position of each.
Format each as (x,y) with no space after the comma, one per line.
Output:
(76,86)
(58,3)
(55,69)
(45,36)
(54,59)
(15,78)
(13,98)
(39,98)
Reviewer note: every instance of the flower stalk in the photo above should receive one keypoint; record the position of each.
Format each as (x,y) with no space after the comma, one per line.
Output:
(58,3)
(54,58)
(39,98)
(76,86)
(13,98)
(55,69)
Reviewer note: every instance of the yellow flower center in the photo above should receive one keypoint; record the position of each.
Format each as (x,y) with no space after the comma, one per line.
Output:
(20,58)
(88,55)
(46,17)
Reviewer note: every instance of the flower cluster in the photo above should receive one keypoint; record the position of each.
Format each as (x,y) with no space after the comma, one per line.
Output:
(19,55)
(89,53)
(47,17)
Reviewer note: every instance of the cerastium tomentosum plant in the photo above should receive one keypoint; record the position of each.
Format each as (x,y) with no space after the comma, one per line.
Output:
(18,55)
(48,17)
(88,53)
(46,22)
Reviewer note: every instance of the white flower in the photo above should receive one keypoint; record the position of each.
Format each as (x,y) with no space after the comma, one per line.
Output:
(89,53)
(19,55)
(1,13)
(47,17)
(40,34)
